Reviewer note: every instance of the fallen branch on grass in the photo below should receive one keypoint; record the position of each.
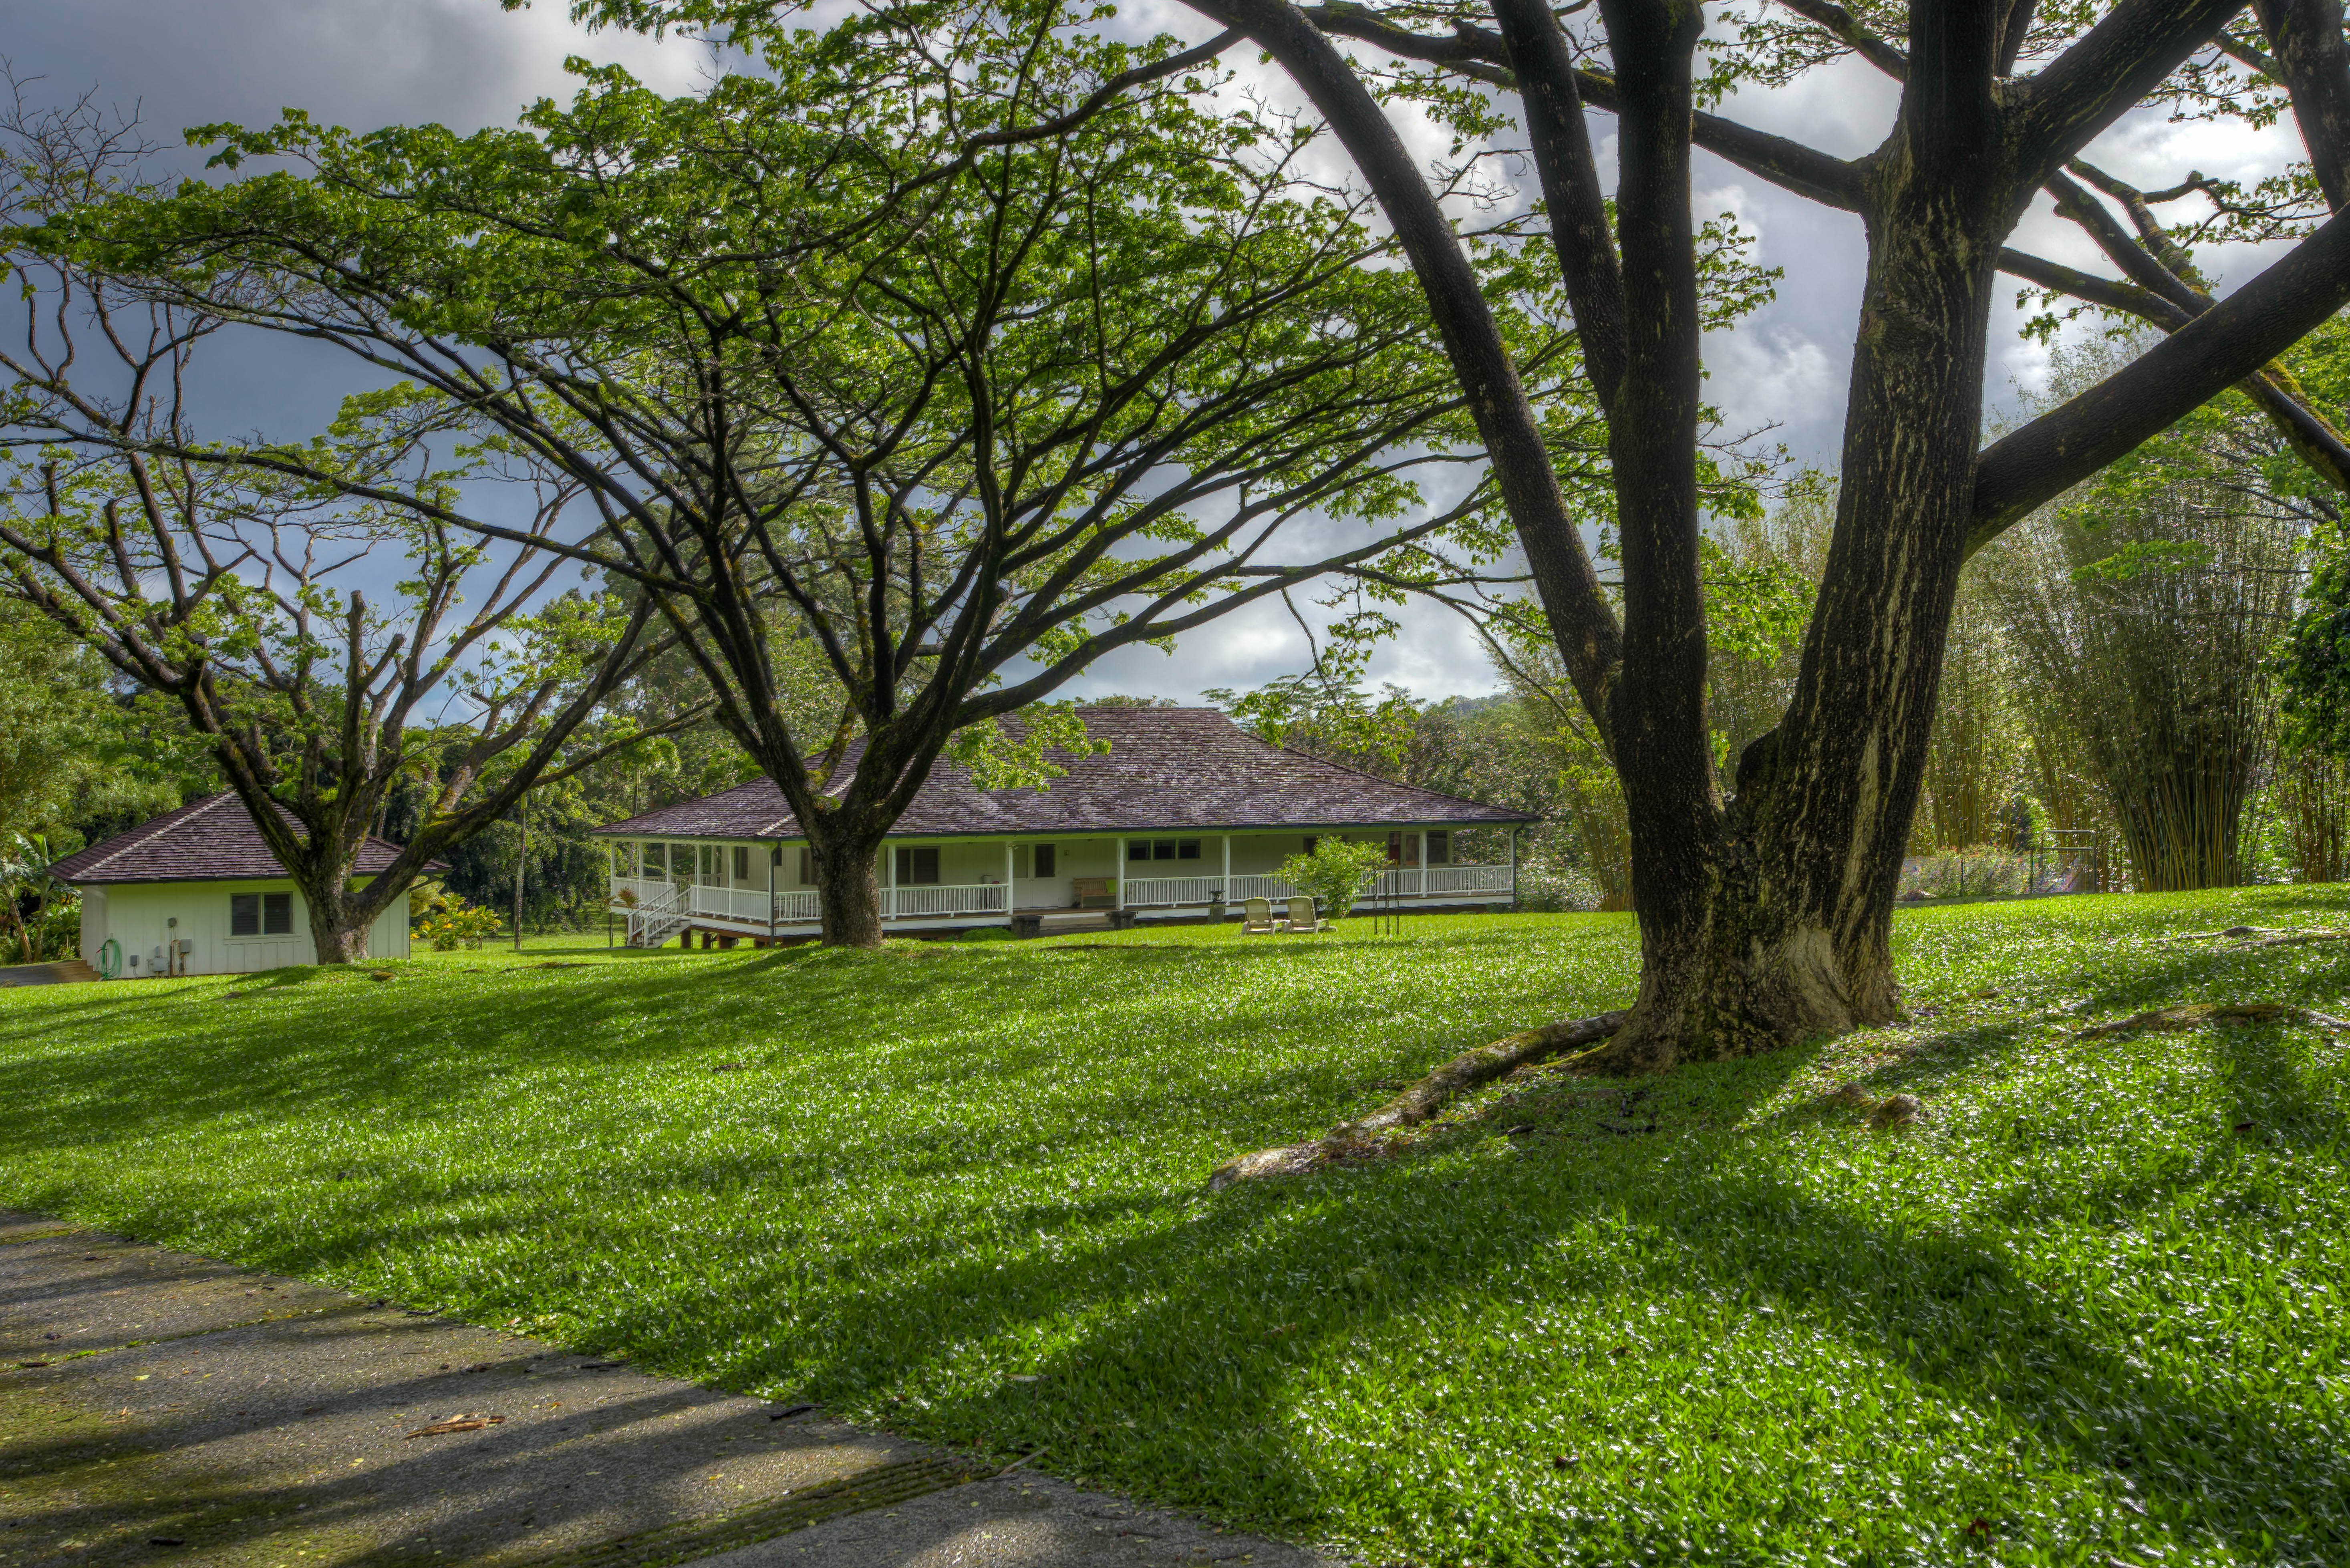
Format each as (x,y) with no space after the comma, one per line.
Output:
(1422,1100)
(2170,1019)
(2239,938)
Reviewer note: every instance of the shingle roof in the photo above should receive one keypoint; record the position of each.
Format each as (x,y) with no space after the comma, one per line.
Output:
(208,840)
(1168,768)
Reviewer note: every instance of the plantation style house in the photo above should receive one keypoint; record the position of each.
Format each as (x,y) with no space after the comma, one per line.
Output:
(1185,815)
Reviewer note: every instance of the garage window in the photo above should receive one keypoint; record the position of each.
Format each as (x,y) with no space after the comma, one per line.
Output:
(261,914)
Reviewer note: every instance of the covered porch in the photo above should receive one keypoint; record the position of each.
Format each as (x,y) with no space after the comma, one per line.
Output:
(764,889)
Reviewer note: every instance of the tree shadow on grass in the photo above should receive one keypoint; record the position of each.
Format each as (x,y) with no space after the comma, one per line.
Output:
(1208,1333)
(1214,1323)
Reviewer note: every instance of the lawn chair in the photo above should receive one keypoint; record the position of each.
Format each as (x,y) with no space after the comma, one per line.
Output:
(1256,917)
(1302,917)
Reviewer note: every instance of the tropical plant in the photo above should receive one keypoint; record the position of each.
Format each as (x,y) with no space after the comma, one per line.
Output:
(24,877)
(446,921)
(1336,872)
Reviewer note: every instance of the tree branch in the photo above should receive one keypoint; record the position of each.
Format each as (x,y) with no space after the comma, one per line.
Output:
(2235,338)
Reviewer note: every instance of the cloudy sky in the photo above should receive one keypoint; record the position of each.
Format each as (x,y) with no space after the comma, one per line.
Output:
(467,63)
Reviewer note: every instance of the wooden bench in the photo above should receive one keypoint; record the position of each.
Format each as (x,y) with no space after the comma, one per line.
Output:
(1092,892)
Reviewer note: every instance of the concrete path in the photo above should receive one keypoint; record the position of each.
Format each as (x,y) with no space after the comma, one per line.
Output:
(160,1408)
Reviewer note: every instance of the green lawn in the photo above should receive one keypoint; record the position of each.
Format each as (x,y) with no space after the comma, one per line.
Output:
(2091,1311)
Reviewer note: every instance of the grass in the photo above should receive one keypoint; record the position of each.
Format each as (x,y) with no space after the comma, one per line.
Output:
(2090,1310)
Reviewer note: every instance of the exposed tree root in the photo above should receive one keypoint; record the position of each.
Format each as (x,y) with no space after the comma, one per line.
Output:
(2170,1019)
(2239,938)
(1422,1099)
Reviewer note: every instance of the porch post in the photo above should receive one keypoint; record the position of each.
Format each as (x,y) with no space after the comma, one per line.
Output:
(774,857)
(1121,882)
(1228,867)
(1011,856)
(1513,863)
(1423,863)
(889,880)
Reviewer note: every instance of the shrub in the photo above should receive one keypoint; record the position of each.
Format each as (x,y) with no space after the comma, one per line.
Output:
(1335,874)
(445,920)
(1558,889)
(1977,871)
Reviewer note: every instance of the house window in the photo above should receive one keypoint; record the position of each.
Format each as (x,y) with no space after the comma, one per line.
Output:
(1403,848)
(807,867)
(261,914)
(1310,842)
(1440,848)
(1163,849)
(917,866)
(742,862)
(1047,859)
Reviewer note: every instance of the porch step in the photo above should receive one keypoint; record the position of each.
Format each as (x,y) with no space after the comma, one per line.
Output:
(1060,922)
(71,972)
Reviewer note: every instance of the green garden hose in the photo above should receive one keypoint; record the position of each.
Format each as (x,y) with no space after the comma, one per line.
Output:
(110,959)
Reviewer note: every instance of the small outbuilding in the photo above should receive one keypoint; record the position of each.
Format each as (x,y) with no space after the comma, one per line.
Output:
(196,892)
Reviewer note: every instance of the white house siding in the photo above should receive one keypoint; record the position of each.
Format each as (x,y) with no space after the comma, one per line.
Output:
(139,915)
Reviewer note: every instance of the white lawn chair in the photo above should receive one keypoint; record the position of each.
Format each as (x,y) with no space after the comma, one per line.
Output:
(1302,917)
(1256,917)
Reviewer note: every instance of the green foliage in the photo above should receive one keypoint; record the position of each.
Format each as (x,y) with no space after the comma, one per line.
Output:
(1335,874)
(75,759)
(996,758)
(2314,661)
(2094,1300)
(445,922)
(44,931)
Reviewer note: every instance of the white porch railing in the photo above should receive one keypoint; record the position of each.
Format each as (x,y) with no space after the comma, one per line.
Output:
(949,898)
(1414,882)
(655,915)
(1466,879)
(677,904)
(652,901)
(641,889)
(1144,892)
(742,905)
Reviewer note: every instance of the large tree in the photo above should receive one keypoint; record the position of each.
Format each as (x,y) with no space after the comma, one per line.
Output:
(225,585)
(959,348)
(1765,901)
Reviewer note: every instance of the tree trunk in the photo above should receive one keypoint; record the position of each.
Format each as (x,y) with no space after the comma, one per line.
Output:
(847,855)
(1778,924)
(337,930)
(522,858)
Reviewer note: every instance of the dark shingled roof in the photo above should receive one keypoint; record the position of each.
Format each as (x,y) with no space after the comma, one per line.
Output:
(1167,769)
(208,840)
